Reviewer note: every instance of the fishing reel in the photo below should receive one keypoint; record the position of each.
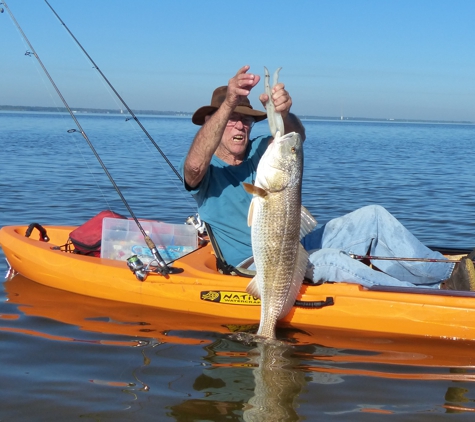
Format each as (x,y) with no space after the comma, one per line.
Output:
(142,270)
(195,221)
(138,267)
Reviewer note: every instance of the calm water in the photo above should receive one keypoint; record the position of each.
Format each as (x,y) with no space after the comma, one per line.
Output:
(68,357)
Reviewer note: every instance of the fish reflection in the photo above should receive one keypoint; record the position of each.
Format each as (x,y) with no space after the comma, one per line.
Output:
(278,384)
(252,383)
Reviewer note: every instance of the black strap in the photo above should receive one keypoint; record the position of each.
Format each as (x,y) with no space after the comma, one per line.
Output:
(221,264)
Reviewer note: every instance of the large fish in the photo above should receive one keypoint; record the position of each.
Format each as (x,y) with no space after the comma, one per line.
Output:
(278,222)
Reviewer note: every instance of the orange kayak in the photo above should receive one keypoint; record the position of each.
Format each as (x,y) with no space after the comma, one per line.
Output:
(201,289)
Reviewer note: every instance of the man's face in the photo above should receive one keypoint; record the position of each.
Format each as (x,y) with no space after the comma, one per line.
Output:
(236,135)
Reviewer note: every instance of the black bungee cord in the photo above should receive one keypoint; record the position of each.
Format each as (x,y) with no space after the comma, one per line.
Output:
(118,96)
(162,266)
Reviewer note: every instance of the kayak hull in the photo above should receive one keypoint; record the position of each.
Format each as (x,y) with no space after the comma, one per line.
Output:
(201,289)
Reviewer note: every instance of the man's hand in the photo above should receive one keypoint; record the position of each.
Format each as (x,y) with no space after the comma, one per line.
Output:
(240,85)
(281,98)
(282,103)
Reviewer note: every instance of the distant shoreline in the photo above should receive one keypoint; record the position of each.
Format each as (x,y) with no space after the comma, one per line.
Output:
(80,110)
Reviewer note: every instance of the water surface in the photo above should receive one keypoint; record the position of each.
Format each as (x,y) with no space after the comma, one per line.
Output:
(69,357)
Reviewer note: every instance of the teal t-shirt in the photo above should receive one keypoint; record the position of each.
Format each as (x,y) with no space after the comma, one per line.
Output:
(224,204)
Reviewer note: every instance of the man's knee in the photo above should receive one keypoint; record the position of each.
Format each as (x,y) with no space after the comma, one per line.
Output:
(374,210)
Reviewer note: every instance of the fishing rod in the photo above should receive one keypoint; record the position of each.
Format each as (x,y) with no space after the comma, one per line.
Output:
(162,266)
(393,258)
(118,95)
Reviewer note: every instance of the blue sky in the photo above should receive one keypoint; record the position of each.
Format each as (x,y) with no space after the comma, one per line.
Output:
(398,59)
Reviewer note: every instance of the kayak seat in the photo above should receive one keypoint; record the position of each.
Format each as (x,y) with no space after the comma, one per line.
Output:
(221,264)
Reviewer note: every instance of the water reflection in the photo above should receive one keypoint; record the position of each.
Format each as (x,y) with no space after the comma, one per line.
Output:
(278,384)
(256,383)
(224,384)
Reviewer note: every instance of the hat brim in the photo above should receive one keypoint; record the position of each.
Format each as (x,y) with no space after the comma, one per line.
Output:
(200,114)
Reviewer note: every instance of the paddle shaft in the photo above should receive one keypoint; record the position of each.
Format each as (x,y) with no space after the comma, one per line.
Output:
(394,258)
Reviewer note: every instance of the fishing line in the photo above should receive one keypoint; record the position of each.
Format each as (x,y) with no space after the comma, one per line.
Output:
(162,266)
(47,87)
(134,117)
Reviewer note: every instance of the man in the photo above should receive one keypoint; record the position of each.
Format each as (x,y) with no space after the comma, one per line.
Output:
(222,156)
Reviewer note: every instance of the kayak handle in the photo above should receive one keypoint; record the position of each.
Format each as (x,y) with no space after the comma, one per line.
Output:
(315,304)
(43,235)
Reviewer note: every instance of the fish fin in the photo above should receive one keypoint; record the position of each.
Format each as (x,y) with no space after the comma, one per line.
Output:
(248,187)
(297,279)
(250,212)
(253,288)
(254,190)
(307,222)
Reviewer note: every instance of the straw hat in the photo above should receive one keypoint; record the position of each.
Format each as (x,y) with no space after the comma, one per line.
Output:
(217,99)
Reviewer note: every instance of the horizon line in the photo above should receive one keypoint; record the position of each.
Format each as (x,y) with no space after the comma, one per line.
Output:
(95,110)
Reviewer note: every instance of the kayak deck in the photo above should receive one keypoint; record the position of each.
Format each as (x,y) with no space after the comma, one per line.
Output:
(201,289)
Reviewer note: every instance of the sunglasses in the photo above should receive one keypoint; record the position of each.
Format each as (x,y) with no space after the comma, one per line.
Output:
(247,121)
